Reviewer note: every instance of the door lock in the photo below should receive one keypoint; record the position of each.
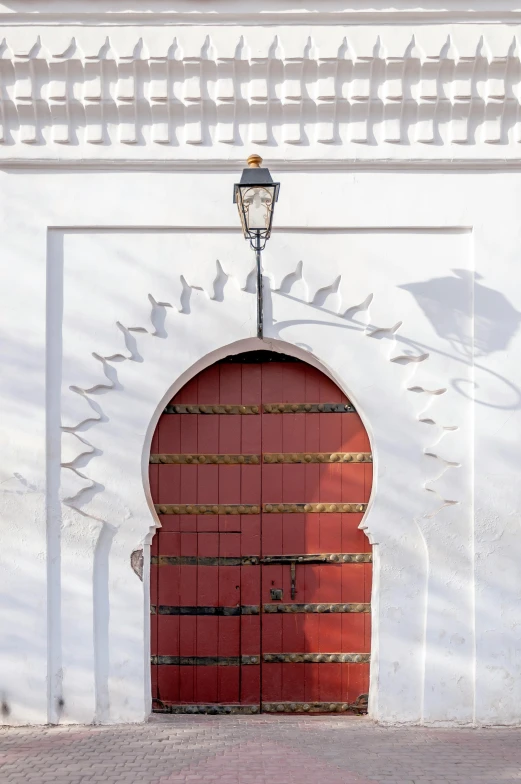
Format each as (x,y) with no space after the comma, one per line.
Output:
(276,594)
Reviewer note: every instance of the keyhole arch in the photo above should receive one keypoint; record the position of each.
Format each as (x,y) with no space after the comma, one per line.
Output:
(207,525)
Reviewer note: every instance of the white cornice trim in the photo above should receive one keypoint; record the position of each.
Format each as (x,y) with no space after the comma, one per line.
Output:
(389,92)
(306,18)
(214,12)
(237,164)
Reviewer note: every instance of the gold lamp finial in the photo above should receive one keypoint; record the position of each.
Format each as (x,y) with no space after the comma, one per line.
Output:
(254,161)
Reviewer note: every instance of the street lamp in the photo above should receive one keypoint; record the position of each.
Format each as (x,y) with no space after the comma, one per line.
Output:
(255,196)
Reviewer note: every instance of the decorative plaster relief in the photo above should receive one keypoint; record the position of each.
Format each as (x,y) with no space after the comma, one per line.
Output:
(328,88)
(78,451)
(374,346)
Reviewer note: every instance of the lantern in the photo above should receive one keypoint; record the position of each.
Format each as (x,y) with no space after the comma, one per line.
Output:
(255,196)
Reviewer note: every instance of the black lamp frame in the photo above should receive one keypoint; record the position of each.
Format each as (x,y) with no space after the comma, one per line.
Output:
(256,178)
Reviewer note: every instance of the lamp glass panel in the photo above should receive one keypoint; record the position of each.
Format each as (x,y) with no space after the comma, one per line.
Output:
(258,204)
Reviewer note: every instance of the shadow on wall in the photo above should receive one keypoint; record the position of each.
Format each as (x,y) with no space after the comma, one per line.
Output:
(473,319)
(446,302)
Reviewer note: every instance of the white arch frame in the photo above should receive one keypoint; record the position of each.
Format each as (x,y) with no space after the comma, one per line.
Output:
(249,344)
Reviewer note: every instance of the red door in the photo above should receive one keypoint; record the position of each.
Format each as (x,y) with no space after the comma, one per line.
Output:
(260,579)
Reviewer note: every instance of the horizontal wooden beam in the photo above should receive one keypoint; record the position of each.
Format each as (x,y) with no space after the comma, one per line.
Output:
(257,560)
(201,459)
(159,706)
(205,661)
(211,408)
(168,609)
(266,658)
(317,608)
(249,509)
(268,457)
(308,408)
(267,408)
(255,609)
(316,658)
(358,706)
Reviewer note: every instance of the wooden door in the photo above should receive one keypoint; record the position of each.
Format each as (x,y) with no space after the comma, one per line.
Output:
(260,578)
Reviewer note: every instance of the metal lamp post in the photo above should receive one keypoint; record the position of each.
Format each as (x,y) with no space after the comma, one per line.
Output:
(255,196)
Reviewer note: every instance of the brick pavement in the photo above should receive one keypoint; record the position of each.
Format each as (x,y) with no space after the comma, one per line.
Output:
(259,750)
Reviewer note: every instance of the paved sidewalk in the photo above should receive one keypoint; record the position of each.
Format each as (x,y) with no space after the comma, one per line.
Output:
(258,750)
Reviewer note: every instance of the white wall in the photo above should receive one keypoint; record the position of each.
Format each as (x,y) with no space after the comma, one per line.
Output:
(123,279)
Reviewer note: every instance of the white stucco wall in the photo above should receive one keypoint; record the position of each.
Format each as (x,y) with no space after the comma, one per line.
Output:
(125,273)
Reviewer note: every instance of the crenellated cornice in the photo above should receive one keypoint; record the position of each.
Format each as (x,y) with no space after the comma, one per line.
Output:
(332,92)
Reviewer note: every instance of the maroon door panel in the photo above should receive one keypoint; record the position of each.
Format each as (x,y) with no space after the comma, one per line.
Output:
(260,576)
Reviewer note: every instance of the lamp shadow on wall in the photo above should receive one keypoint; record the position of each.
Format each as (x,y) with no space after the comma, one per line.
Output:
(473,319)
(443,302)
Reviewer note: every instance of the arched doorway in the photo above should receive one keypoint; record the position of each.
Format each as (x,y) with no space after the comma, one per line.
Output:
(260,471)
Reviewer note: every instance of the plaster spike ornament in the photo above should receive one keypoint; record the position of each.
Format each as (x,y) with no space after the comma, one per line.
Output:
(225,97)
(292,84)
(159,96)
